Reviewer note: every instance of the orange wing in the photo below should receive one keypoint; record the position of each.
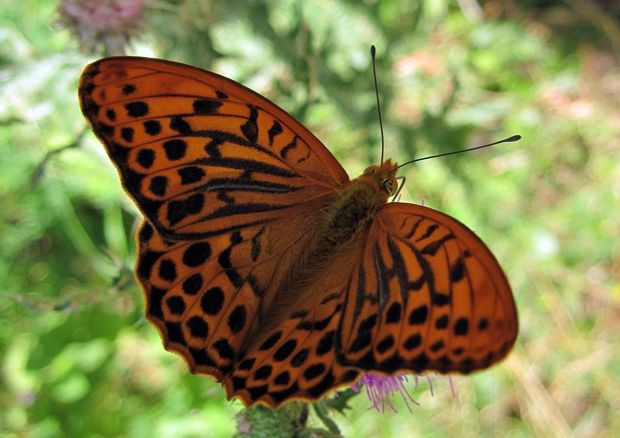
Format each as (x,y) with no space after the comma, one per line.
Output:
(195,149)
(429,295)
(230,186)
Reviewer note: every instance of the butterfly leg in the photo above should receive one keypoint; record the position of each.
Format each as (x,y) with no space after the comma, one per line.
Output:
(401,182)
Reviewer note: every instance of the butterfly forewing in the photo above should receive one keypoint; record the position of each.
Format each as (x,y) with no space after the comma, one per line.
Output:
(429,295)
(194,148)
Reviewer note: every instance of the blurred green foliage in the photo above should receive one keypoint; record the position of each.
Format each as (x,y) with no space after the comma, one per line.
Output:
(76,355)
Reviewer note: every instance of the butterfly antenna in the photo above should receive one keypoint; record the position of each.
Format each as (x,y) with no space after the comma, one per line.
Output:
(373,53)
(506,140)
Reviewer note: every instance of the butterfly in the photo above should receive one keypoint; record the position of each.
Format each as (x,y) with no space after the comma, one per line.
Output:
(263,265)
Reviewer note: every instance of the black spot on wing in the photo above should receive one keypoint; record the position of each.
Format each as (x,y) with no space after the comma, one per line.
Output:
(276,129)
(152,127)
(212,301)
(314,371)
(441,322)
(177,123)
(247,364)
(325,343)
(175,149)
(206,106)
(439,299)
(167,270)
(250,127)
(127,134)
(191,174)
(457,270)
(418,315)
(285,350)
(433,247)
(413,229)
(300,357)
(128,89)
(394,313)
(288,148)
(158,185)
(180,209)
(263,372)
(437,346)
(223,348)
(282,379)
(257,392)
(87,89)
(237,319)
(385,344)
(270,341)
(483,324)
(198,327)
(137,109)
(146,158)
(461,327)
(413,342)
(324,384)
(256,245)
(429,231)
(364,334)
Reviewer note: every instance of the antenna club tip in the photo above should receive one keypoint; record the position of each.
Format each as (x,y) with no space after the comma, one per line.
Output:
(514,138)
(373,50)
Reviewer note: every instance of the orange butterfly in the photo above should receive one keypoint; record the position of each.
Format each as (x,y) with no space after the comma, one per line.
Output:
(263,265)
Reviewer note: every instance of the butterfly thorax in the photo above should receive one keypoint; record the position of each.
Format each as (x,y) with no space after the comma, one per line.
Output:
(357,205)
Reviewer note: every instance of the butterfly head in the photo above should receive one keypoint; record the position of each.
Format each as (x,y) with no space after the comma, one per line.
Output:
(383,177)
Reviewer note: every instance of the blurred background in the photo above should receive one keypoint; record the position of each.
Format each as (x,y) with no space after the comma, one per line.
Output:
(77,357)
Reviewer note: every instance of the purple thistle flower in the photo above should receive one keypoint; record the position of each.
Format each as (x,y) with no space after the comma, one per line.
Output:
(110,22)
(380,389)
(104,15)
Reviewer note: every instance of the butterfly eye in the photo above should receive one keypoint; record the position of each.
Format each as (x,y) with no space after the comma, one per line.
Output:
(390,186)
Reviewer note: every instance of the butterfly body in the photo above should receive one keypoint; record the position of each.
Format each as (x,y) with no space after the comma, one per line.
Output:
(263,265)
(339,222)
(358,203)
